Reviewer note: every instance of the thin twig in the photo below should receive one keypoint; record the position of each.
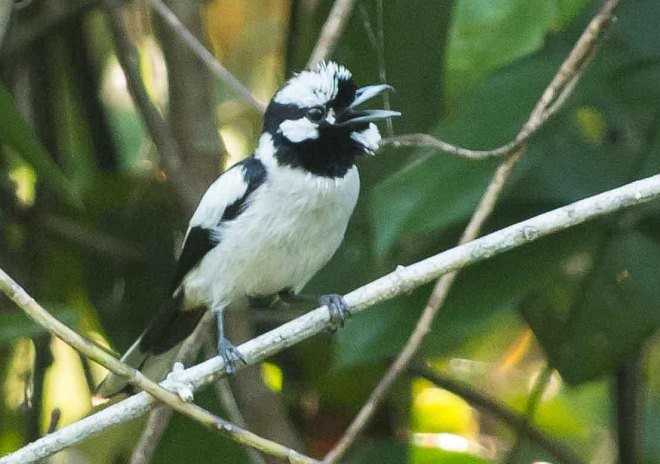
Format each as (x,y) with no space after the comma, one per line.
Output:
(35,311)
(226,396)
(157,422)
(55,416)
(425,321)
(160,417)
(556,93)
(526,131)
(398,282)
(533,402)
(378,43)
(332,29)
(192,121)
(206,57)
(6,7)
(191,106)
(511,418)
(551,100)
(158,129)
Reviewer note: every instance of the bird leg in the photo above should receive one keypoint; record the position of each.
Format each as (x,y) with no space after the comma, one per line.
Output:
(226,349)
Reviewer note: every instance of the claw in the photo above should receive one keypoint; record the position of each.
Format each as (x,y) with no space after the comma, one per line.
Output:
(338,308)
(230,355)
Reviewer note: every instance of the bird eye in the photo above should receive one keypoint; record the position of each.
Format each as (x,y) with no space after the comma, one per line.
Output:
(316,114)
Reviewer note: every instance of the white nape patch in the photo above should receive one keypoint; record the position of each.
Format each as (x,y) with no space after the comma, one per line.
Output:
(315,87)
(369,138)
(265,150)
(299,130)
(227,188)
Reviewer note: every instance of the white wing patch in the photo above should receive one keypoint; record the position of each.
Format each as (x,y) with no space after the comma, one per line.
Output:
(312,88)
(228,188)
(299,130)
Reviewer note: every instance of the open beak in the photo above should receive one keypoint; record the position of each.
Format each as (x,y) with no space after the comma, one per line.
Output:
(352,117)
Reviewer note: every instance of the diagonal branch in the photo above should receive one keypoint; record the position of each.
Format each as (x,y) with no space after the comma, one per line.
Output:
(160,417)
(200,51)
(156,124)
(500,411)
(398,282)
(35,311)
(551,100)
(331,32)
(553,97)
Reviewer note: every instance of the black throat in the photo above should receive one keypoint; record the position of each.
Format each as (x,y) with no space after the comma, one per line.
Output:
(331,155)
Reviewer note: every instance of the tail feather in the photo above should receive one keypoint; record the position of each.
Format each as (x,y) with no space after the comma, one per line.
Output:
(154,352)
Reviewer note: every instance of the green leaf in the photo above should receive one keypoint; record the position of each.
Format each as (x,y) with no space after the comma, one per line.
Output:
(482,295)
(431,194)
(488,34)
(410,27)
(17,134)
(588,334)
(16,324)
(633,25)
(566,11)
(437,190)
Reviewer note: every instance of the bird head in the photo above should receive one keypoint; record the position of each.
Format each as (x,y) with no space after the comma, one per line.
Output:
(314,123)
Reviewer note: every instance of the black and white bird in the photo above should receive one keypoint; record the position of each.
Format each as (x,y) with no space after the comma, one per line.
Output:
(271,221)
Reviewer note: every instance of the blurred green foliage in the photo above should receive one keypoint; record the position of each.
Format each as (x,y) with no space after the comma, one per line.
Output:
(93,232)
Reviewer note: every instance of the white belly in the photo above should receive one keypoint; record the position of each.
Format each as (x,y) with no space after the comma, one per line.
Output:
(291,228)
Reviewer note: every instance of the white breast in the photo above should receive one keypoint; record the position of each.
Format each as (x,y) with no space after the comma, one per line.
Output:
(292,226)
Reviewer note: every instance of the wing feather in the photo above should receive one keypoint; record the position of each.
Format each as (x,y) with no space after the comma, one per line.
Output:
(224,200)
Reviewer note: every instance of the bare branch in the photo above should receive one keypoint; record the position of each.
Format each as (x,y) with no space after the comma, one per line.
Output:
(157,422)
(398,282)
(533,402)
(558,89)
(428,141)
(157,126)
(435,302)
(551,100)
(160,417)
(204,55)
(191,111)
(332,29)
(135,377)
(226,396)
(6,7)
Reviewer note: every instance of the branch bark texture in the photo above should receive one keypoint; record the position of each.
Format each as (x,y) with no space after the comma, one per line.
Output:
(555,94)
(398,282)
(331,32)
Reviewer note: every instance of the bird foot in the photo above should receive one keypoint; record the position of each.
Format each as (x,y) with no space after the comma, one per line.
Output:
(230,355)
(338,309)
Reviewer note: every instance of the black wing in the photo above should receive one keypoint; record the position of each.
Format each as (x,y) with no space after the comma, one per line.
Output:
(201,240)
(198,242)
